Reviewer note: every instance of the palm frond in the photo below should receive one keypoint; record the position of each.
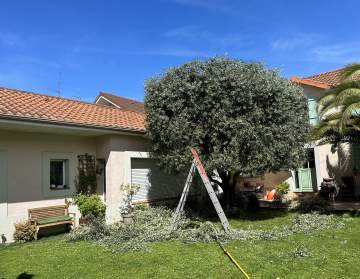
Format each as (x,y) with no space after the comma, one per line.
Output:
(350,71)
(348,96)
(332,115)
(343,86)
(350,113)
(325,128)
(325,101)
(331,108)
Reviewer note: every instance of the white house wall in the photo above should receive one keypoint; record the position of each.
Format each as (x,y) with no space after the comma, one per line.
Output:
(24,155)
(335,161)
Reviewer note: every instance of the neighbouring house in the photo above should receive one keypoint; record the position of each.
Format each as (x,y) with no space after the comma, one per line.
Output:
(111,100)
(41,138)
(324,160)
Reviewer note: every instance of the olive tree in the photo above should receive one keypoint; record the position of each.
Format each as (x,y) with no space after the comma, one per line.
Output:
(241,117)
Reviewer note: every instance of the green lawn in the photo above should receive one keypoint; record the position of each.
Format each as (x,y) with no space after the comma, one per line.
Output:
(332,254)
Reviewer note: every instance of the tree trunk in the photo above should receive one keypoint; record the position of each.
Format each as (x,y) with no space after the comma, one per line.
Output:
(228,185)
(225,185)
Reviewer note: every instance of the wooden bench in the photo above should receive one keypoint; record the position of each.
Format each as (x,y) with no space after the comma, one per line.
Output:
(51,216)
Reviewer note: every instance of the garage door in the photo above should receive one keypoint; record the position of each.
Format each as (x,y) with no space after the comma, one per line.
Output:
(154,183)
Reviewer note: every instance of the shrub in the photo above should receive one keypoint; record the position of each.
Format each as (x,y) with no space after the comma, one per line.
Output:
(90,205)
(24,231)
(282,188)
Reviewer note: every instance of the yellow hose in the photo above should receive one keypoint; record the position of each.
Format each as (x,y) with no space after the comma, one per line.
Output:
(229,255)
(236,263)
(232,259)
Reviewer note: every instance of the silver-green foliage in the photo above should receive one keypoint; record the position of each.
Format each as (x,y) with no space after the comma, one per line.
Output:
(240,116)
(152,225)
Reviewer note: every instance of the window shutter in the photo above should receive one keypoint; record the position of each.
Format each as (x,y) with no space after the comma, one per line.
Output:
(312,111)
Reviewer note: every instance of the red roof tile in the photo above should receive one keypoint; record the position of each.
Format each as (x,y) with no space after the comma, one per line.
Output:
(123,103)
(322,80)
(17,104)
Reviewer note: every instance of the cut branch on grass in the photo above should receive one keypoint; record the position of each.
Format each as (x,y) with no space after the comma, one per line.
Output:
(152,225)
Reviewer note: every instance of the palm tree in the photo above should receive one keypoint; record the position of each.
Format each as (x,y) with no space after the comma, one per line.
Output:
(351,71)
(339,108)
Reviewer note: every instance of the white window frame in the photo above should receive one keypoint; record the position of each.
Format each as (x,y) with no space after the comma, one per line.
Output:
(69,175)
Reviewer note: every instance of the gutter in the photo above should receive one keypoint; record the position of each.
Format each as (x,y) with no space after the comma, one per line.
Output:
(83,127)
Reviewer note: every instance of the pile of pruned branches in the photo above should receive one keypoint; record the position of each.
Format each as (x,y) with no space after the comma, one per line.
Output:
(153,225)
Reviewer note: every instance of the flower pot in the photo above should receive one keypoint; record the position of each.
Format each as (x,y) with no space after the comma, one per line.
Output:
(128,218)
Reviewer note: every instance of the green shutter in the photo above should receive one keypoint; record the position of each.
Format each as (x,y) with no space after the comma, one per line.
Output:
(305,177)
(312,111)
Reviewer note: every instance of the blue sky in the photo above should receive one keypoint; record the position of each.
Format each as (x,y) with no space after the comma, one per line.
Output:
(113,46)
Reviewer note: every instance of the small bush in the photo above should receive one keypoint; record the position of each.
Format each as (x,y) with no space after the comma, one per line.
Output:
(282,188)
(24,231)
(90,205)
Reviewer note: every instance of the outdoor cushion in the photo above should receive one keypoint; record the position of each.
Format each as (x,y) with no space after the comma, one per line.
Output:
(54,219)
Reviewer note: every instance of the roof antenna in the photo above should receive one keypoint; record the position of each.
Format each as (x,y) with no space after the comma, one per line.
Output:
(58,90)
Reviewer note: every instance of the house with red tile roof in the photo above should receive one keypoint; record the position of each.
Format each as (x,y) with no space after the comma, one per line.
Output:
(321,81)
(43,138)
(112,100)
(325,160)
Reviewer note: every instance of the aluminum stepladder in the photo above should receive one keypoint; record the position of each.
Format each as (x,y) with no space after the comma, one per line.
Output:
(196,164)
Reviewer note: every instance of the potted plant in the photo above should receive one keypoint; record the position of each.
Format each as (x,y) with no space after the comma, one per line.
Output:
(126,207)
(282,189)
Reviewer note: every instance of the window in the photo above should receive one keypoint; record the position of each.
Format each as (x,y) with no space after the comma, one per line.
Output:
(58,174)
(310,162)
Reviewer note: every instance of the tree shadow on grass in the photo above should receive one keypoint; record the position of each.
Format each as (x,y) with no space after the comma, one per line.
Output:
(25,275)
(262,214)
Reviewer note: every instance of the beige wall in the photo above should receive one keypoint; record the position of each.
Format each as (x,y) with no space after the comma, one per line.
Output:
(25,153)
(118,151)
(25,189)
(335,161)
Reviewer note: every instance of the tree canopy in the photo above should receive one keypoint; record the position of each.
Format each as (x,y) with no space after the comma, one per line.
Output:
(239,116)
